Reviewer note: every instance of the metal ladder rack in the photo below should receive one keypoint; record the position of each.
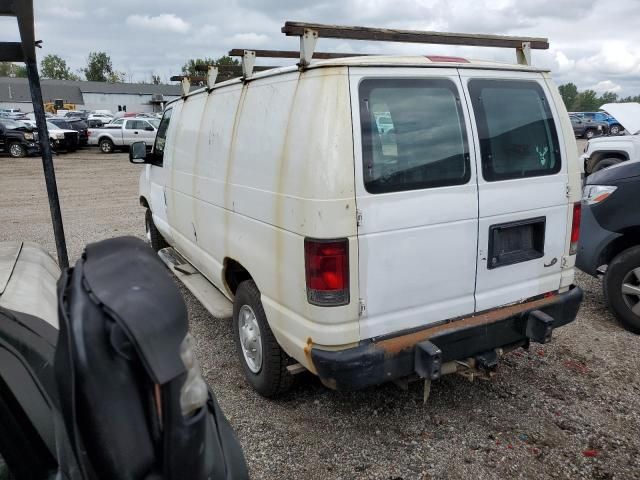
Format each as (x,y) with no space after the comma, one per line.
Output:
(310,32)
(25,51)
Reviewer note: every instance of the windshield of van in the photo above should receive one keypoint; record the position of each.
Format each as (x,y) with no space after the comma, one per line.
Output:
(413,134)
(517,132)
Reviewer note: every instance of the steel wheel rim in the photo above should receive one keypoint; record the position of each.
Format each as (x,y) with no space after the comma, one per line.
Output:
(16,151)
(250,338)
(631,290)
(106,147)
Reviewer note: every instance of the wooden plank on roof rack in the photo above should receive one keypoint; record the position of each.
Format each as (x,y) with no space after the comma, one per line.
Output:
(412,36)
(239,52)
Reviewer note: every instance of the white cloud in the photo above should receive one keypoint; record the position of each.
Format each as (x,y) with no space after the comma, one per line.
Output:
(564,63)
(165,22)
(614,57)
(247,40)
(606,86)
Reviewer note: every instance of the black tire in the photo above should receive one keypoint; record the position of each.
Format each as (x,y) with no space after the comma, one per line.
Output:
(17,150)
(589,133)
(153,235)
(620,271)
(604,163)
(106,145)
(273,378)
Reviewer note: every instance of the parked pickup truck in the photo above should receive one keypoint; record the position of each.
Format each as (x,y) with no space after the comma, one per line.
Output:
(121,133)
(600,153)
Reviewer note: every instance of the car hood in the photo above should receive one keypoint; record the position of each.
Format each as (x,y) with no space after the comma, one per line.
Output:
(628,114)
(615,173)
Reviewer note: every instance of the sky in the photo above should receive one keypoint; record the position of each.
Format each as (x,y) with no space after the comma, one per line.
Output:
(593,43)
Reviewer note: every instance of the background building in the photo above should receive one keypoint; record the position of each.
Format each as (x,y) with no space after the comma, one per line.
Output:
(132,97)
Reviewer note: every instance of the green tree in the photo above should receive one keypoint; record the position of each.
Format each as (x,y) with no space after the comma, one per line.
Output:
(228,67)
(587,101)
(8,69)
(569,93)
(100,69)
(53,66)
(608,97)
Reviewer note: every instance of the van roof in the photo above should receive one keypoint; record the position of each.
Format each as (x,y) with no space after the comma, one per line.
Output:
(426,61)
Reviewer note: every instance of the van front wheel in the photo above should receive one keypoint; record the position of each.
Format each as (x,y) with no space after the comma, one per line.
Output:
(263,361)
(154,237)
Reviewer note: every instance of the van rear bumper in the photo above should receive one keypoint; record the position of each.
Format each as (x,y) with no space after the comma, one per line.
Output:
(411,354)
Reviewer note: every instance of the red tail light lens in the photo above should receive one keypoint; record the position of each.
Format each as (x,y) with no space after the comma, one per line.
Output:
(327,271)
(575,228)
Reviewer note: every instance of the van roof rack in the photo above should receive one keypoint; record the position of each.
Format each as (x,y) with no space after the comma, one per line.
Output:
(310,32)
(211,73)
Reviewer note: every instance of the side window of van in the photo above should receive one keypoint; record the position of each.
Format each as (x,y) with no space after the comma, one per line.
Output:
(517,133)
(161,136)
(413,134)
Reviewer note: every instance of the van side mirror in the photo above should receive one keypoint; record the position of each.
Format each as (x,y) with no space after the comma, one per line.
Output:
(138,152)
(149,129)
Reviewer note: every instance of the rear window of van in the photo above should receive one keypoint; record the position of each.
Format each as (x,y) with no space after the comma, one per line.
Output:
(413,134)
(517,133)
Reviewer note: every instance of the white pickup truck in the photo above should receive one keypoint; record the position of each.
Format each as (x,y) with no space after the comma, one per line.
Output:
(121,133)
(605,152)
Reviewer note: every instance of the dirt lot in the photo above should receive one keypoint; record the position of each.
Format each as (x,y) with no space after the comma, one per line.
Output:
(568,409)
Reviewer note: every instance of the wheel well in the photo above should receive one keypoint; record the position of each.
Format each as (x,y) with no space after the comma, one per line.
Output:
(234,274)
(143,202)
(630,238)
(104,138)
(597,156)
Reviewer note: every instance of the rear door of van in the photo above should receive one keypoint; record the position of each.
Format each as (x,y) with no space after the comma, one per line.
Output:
(522,186)
(416,195)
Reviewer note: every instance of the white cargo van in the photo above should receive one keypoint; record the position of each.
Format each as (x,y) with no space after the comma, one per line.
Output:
(365,251)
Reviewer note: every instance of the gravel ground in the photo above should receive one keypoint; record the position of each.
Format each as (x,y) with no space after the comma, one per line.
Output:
(563,410)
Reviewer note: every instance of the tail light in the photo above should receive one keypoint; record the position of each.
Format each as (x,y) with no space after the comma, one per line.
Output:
(327,271)
(575,228)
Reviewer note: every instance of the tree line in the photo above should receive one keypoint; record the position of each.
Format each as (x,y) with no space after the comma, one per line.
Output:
(589,100)
(99,68)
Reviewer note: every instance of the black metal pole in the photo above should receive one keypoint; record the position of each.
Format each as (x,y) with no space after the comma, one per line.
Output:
(47,163)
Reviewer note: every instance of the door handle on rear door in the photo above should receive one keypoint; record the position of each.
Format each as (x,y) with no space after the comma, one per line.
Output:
(553,261)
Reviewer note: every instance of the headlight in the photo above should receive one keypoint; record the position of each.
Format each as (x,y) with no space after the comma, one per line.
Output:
(59,136)
(28,136)
(593,194)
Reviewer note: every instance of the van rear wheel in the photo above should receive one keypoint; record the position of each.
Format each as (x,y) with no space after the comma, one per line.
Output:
(263,361)
(622,288)
(154,237)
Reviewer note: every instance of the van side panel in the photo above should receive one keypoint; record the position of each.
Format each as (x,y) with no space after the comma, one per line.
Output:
(257,168)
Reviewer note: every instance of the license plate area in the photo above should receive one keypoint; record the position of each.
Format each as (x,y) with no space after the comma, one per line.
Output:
(516,242)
